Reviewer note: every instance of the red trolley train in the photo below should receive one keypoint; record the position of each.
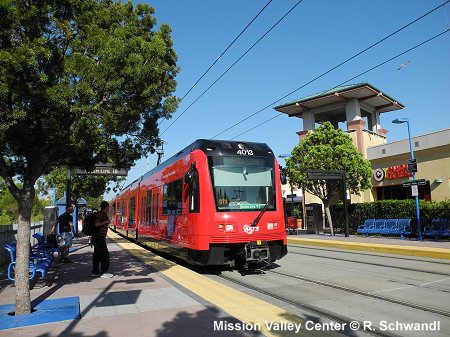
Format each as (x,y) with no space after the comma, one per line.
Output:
(213,203)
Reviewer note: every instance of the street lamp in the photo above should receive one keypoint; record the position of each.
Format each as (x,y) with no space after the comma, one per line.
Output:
(292,190)
(400,121)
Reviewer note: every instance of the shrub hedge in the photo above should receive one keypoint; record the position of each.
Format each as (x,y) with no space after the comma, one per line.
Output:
(389,209)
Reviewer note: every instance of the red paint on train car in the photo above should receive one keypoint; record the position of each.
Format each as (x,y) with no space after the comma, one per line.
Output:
(202,204)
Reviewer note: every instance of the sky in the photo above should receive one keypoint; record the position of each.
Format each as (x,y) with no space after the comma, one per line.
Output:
(313,38)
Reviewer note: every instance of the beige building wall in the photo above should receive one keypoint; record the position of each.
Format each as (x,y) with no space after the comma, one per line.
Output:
(432,152)
(433,164)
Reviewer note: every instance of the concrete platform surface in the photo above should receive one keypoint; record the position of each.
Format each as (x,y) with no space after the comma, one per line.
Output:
(137,301)
(378,244)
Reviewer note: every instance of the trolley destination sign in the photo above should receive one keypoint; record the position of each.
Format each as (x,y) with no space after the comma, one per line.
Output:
(103,170)
(409,183)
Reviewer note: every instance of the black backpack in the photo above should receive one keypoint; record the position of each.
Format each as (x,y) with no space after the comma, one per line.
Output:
(89,227)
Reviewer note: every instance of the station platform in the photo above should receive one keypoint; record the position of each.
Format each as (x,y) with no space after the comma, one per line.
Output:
(148,296)
(427,248)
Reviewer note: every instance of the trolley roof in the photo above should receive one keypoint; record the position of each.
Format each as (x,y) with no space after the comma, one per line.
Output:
(211,147)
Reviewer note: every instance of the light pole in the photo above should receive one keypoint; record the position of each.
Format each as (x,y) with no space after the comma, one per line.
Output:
(400,121)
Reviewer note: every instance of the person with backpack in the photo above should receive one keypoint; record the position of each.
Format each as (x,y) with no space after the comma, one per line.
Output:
(100,259)
(66,231)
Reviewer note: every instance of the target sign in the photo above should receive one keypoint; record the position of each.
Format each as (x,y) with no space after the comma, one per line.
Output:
(378,174)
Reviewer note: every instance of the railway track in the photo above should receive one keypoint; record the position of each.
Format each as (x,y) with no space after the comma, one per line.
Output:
(317,311)
(333,316)
(365,294)
(374,264)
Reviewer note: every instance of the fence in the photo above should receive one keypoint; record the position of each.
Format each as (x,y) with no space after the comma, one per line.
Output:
(8,233)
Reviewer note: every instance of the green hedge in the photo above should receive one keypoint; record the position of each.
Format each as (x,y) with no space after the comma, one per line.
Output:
(389,209)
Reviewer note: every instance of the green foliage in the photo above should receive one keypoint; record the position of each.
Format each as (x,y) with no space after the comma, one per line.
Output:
(9,208)
(37,213)
(390,209)
(328,148)
(298,211)
(5,218)
(81,82)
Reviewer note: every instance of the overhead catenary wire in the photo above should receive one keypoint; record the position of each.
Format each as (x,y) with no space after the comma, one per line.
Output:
(234,63)
(225,50)
(356,76)
(223,53)
(331,69)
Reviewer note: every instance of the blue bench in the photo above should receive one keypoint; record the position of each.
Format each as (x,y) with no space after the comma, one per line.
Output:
(438,228)
(366,227)
(386,227)
(39,261)
(43,245)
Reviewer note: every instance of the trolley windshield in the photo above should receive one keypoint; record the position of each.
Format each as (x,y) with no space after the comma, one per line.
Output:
(242,183)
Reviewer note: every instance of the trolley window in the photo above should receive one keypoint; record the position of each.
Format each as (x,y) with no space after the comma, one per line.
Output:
(242,183)
(148,208)
(155,210)
(132,211)
(120,213)
(172,194)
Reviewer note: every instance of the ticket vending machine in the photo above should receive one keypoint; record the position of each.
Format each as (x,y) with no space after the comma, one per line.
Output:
(314,218)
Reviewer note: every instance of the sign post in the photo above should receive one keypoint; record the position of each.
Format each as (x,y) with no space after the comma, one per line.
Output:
(415,182)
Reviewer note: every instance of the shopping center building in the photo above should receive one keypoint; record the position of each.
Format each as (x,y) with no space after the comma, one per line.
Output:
(359,106)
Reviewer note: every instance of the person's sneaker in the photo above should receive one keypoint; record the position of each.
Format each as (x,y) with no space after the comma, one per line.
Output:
(106,275)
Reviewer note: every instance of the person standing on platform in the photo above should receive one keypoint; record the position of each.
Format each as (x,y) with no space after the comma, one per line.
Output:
(66,231)
(101,254)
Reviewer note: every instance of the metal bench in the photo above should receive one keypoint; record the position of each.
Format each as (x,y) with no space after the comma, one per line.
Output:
(39,262)
(366,227)
(43,245)
(438,228)
(403,228)
(390,227)
(386,227)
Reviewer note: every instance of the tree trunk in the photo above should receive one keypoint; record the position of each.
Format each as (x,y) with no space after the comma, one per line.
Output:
(328,214)
(22,281)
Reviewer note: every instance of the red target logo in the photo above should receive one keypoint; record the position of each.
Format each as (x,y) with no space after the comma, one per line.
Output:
(378,174)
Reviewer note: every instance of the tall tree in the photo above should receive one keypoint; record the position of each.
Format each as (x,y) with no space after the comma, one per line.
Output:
(327,148)
(81,82)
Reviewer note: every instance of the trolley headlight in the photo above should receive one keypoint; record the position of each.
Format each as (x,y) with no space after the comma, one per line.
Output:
(229,227)
(272,225)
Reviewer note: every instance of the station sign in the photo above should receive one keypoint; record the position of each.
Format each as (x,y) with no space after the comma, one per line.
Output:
(103,170)
(416,182)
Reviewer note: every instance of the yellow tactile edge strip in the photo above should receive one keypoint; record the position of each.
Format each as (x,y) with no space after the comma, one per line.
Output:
(243,307)
(430,252)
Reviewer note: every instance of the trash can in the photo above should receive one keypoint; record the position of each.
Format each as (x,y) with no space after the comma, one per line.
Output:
(292,225)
